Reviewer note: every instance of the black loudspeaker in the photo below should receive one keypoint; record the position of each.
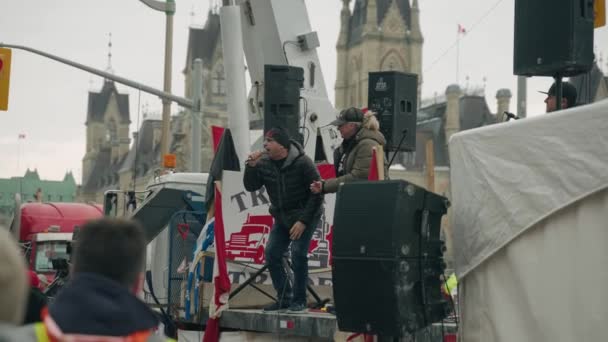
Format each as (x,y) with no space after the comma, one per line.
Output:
(553,37)
(393,96)
(388,258)
(282,84)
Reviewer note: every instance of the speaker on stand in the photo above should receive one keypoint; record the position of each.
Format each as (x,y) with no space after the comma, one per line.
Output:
(393,96)
(553,38)
(282,84)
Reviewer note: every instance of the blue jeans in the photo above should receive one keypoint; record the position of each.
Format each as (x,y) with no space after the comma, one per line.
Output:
(277,245)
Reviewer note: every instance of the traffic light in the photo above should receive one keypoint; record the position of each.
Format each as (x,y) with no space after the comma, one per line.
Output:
(599,8)
(5,77)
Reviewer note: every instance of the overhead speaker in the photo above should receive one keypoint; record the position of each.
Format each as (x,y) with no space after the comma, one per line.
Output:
(282,84)
(393,96)
(388,258)
(553,37)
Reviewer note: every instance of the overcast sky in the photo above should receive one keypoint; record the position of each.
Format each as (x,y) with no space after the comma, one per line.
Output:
(48,100)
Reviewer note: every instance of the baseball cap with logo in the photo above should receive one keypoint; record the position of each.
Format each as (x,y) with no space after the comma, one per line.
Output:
(348,115)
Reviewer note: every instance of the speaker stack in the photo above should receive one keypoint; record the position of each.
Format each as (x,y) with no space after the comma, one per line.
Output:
(553,37)
(393,96)
(282,84)
(388,258)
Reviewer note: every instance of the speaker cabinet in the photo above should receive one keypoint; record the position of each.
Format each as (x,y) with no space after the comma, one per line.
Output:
(553,37)
(282,84)
(389,297)
(388,258)
(383,219)
(393,96)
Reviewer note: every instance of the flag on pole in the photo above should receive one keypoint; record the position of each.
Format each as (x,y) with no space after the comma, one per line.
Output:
(225,159)
(373,168)
(376,167)
(21,136)
(221,281)
(216,133)
(461,30)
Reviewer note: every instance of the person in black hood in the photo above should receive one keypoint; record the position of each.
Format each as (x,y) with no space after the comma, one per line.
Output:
(100,299)
(286,172)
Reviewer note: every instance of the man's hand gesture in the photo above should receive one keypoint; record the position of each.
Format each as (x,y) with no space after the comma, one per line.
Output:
(316,187)
(296,230)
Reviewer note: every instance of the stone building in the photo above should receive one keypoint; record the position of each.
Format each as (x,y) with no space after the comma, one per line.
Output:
(114,161)
(379,35)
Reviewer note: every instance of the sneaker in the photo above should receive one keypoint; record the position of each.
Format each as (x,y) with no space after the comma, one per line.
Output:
(276,307)
(297,309)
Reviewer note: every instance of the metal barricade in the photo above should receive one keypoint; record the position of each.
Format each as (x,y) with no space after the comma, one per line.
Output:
(184,229)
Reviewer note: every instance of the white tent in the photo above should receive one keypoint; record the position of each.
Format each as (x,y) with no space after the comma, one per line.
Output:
(530,225)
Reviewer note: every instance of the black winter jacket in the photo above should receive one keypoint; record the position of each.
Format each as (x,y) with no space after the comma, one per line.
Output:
(91,304)
(287,187)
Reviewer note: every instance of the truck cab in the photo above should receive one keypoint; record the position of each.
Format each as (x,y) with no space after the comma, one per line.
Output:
(44,230)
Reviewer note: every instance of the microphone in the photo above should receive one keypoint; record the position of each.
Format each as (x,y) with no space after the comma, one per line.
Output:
(511,116)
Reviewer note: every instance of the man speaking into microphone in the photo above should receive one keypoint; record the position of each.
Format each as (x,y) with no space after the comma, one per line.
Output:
(287,173)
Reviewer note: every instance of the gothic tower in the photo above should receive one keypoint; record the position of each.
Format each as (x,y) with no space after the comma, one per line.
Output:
(107,134)
(206,43)
(379,35)
(107,128)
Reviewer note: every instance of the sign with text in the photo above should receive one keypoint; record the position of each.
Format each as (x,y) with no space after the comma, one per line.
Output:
(247,227)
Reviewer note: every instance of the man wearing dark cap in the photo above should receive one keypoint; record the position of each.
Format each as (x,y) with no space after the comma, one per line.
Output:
(568,96)
(361,133)
(286,172)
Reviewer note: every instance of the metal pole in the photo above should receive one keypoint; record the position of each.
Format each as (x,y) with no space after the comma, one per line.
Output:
(197,115)
(166,123)
(163,95)
(522,95)
(559,92)
(234,66)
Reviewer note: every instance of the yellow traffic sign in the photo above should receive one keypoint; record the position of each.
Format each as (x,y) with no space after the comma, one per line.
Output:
(5,77)
(599,10)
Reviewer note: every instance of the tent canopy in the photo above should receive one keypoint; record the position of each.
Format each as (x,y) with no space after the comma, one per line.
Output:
(507,177)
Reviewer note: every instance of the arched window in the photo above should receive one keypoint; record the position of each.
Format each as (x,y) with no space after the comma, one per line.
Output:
(218,81)
(111,131)
(392,61)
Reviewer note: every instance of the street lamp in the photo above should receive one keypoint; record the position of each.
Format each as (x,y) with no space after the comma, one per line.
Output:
(169,8)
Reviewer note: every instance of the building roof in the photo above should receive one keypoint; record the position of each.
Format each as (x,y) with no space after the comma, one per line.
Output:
(31,175)
(98,103)
(143,153)
(52,190)
(104,173)
(587,84)
(474,112)
(202,42)
(359,16)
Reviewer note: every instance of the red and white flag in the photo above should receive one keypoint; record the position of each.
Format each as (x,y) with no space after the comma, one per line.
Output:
(373,167)
(461,30)
(21,136)
(221,281)
(376,167)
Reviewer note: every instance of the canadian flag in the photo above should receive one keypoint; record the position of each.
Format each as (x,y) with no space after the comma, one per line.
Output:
(461,29)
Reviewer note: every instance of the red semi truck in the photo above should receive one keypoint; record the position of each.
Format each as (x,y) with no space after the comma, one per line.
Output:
(45,229)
